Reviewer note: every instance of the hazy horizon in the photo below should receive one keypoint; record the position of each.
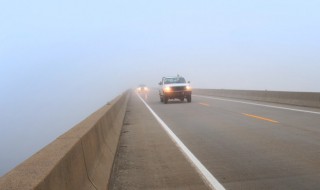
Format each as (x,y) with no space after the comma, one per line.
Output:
(62,60)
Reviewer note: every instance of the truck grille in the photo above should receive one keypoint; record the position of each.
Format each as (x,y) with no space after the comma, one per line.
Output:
(178,88)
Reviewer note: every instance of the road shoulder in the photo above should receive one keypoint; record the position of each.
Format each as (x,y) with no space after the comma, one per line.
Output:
(147,158)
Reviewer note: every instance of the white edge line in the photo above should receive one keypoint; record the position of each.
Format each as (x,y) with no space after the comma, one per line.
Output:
(204,173)
(264,105)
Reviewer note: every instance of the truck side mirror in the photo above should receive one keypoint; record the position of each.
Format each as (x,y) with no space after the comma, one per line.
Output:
(189,82)
(160,83)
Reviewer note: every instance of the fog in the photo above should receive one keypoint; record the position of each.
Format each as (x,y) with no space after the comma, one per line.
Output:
(60,61)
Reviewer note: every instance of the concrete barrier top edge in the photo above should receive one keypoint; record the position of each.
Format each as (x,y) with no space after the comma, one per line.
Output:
(85,125)
(272,91)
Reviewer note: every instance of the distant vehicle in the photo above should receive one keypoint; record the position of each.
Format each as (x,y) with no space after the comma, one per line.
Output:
(174,88)
(142,88)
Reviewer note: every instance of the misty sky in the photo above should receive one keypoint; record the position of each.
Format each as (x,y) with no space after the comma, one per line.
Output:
(61,60)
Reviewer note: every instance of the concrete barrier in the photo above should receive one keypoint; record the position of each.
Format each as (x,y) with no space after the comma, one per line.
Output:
(308,99)
(82,158)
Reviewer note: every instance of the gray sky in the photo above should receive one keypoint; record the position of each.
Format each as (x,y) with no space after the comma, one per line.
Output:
(61,60)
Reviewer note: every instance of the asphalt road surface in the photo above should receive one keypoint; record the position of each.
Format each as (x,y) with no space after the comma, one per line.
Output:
(246,144)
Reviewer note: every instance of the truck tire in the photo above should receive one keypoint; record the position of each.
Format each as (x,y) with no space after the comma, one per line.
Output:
(165,99)
(189,98)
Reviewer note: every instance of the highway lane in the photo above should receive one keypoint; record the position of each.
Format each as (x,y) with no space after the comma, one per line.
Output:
(248,146)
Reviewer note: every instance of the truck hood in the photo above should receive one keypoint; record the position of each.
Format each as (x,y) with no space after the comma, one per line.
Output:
(176,84)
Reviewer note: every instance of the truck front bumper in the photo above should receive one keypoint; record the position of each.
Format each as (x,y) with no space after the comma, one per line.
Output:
(177,94)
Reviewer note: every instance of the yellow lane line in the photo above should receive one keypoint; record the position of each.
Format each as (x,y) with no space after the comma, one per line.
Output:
(204,104)
(262,118)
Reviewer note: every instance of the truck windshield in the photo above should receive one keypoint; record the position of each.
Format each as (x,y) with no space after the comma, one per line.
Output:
(174,80)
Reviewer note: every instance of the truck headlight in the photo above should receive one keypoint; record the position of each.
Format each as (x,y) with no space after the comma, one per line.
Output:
(188,88)
(167,89)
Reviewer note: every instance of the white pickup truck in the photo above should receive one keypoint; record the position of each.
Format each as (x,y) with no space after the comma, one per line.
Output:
(174,88)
